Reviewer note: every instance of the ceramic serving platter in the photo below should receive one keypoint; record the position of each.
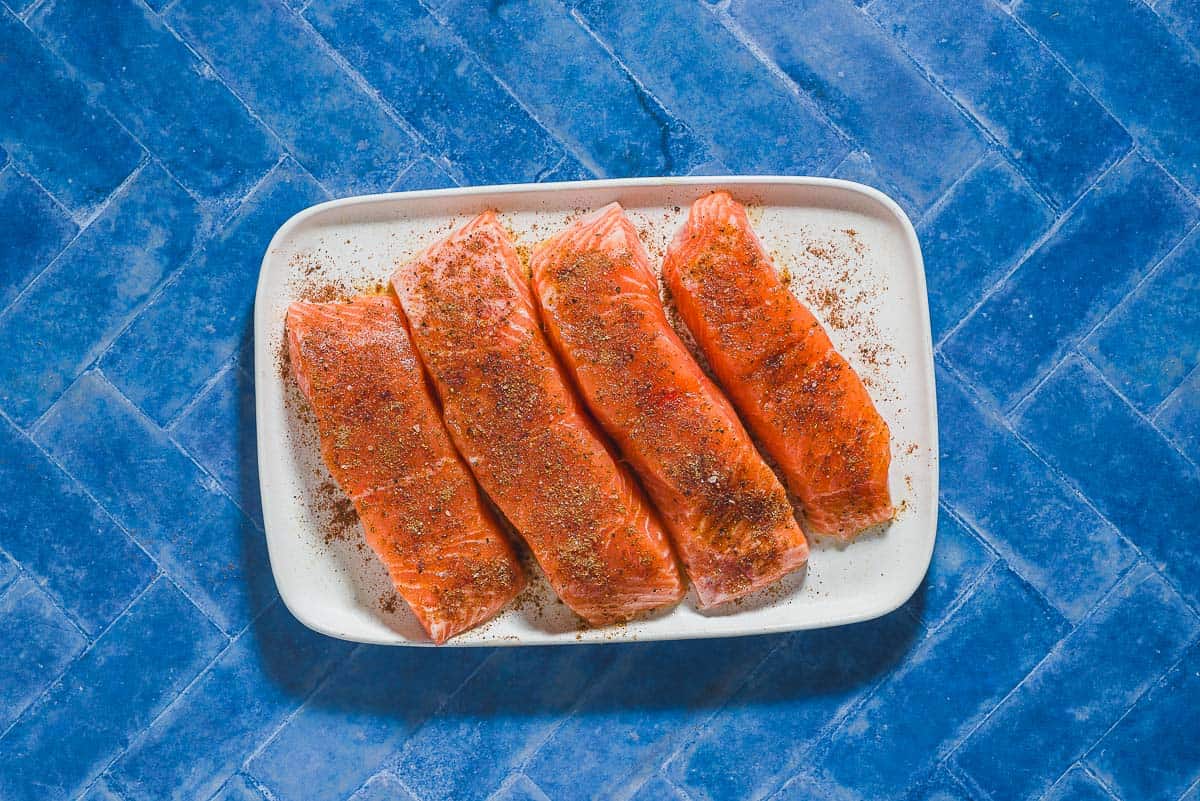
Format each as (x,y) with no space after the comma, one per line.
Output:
(852,256)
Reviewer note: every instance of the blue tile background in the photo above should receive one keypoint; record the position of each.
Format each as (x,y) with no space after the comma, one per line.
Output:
(148,148)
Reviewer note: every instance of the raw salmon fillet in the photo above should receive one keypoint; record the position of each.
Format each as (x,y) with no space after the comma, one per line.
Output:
(727,512)
(513,415)
(801,399)
(383,440)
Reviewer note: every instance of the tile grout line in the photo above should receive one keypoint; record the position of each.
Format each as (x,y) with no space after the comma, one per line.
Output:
(1083,766)
(1193,786)
(952,752)
(943,200)
(223,82)
(1054,54)
(120,190)
(205,237)
(702,726)
(244,765)
(574,149)
(116,523)
(971,117)
(752,46)
(1010,12)
(708,142)
(205,472)
(87,493)
(57,679)
(1137,412)
(1063,479)
(393,760)
(1080,341)
(141,735)
(77,82)
(144,733)
(968,592)
(582,156)
(1059,221)
(557,726)
(422,145)
(644,96)
(173,422)
(78,220)
(1083,758)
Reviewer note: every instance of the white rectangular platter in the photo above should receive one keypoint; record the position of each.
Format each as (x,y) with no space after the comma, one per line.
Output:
(853,258)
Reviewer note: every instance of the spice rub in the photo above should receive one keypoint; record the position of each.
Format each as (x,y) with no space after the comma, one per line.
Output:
(726,511)
(513,415)
(384,443)
(770,354)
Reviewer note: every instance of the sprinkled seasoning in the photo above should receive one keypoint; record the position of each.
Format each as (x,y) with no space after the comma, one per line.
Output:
(521,429)
(730,516)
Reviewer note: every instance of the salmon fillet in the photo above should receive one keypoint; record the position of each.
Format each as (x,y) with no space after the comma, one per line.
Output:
(801,399)
(383,440)
(513,415)
(727,512)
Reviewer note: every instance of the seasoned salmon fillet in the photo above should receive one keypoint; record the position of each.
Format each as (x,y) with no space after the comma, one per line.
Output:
(727,512)
(513,415)
(801,399)
(383,440)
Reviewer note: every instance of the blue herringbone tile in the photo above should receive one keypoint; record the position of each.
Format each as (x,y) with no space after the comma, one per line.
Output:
(424,173)
(100,791)
(982,227)
(781,711)
(1124,466)
(39,642)
(220,433)
(1045,119)
(859,166)
(1029,515)
(119,685)
(439,87)
(239,788)
(1081,689)
(708,79)
(246,693)
(363,712)
(9,572)
(67,543)
(162,92)
(149,149)
(644,704)
(1179,417)
(1077,785)
(942,786)
(1149,753)
(859,77)
(592,102)
(480,736)
(71,312)
(75,150)
(656,789)
(201,318)
(1151,342)
(282,70)
(1120,229)
(1164,120)
(159,495)
(940,693)
(1183,17)
(35,231)
(959,559)
(383,787)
